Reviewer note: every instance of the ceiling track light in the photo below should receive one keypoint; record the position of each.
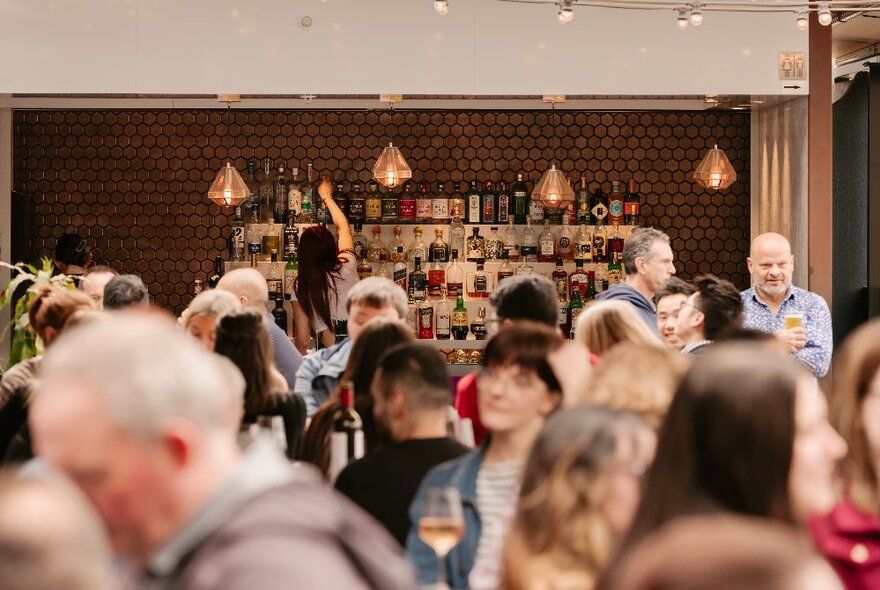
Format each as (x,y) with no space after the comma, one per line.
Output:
(803,21)
(566,11)
(696,16)
(824,13)
(441,6)
(683,16)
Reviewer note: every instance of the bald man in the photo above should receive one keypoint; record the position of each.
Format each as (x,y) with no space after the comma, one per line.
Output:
(772,297)
(251,289)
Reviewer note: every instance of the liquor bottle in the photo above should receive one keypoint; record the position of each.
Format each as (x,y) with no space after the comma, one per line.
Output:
(357,206)
(254,252)
(590,293)
(215,276)
(294,195)
(454,277)
(197,287)
(418,249)
(390,207)
(615,204)
(250,180)
(253,231)
(456,235)
(564,325)
(397,249)
(280,207)
(459,327)
(424,204)
(400,268)
(599,207)
(373,204)
(615,271)
(279,314)
(570,216)
(436,279)
(267,192)
(384,269)
(322,214)
(341,201)
(478,326)
(632,205)
(473,202)
(407,204)
(511,242)
(601,279)
(575,307)
(426,321)
(236,240)
(291,271)
(478,283)
(376,246)
(546,244)
(528,249)
(536,212)
(457,205)
(583,245)
(614,245)
(440,205)
(554,216)
(502,207)
(577,280)
(583,211)
(439,251)
(275,275)
(520,193)
(271,241)
(347,439)
(417,286)
(560,279)
(505,270)
(488,198)
(600,245)
(476,246)
(364,269)
(307,205)
(442,319)
(360,241)
(524,268)
(291,235)
(412,317)
(564,243)
(494,245)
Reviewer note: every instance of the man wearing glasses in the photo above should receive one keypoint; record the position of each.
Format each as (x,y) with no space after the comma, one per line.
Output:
(716,306)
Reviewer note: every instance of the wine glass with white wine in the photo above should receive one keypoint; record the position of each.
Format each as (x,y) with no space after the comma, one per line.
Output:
(441,526)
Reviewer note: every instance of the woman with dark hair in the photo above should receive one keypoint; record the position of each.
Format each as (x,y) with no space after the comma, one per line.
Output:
(516,391)
(378,335)
(243,339)
(747,433)
(327,270)
(849,536)
(579,492)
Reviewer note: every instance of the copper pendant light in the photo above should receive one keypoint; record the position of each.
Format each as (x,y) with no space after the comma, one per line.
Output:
(391,169)
(553,191)
(715,171)
(229,188)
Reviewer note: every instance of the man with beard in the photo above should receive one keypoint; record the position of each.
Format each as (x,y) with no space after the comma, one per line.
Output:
(772,298)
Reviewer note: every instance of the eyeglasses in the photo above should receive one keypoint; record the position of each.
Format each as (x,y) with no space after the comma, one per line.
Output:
(516,380)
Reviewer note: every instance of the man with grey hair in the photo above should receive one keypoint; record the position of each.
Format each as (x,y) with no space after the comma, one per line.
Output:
(647,262)
(125,291)
(137,415)
(319,374)
(252,290)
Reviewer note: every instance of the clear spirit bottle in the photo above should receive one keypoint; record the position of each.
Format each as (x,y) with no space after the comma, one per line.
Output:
(494,245)
(456,235)
(440,205)
(478,282)
(424,204)
(376,247)
(397,249)
(546,244)
(454,277)
(439,251)
(280,206)
(236,240)
(418,249)
(511,242)
(528,248)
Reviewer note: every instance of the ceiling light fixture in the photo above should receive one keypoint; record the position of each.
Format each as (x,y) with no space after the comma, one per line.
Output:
(391,168)
(553,191)
(228,189)
(683,16)
(824,13)
(696,16)
(441,6)
(715,171)
(565,14)
(803,21)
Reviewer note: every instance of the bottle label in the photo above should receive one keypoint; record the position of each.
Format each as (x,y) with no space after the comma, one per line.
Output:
(598,245)
(563,315)
(439,253)
(407,209)
(418,286)
(631,208)
(547,247)
(453,290)
(512,251)
(237,238)
(436,279)
(474,209)
(356,209)
(389,208)
(561,287)
(254,248)
(444,322)
(615,208)
(345,447)
(574,313)
(426,322)
(488,209)
(294,200)
(456,208)
(579,282)
(400,275)
(536,212)
(274,285)
(374,208)
(503,208)
(480,284)
(614,276)
(527,251)
(503,274)
(494,248)
(599,211)
(424,209)
(440,209)
(584,251)
(476,248)
(459,318)
(360,247)
(564,243)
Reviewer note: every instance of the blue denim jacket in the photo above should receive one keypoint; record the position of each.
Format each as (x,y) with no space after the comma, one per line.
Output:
(460,473)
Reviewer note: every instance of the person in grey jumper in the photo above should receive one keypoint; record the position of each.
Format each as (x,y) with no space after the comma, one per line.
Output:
(647,261)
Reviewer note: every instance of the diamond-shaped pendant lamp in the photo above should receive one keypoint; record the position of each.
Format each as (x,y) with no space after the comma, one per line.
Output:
(715,171)
(228,189)
(391,169)
(553,190)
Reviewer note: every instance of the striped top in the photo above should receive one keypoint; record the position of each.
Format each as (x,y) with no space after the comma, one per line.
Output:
(497,491)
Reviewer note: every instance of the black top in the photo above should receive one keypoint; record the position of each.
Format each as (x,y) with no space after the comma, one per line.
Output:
(384,482)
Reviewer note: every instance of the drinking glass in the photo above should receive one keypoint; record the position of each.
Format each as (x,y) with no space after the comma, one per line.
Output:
(441,525)
(794,319)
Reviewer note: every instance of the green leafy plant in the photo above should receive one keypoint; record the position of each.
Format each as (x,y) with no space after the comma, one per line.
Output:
(25,342)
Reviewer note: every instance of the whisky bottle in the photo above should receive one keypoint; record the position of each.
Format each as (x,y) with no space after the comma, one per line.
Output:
(560,279)
(390,207)
(631,205)
(407,204)
(511,242)
(280,206)
(473,201)
(546,244)
(364,269)
(373,204)
(439,251)
(442,319)
(236,240)
(397,249)
(424,204)
(564,324)
(494,245)
(457,206)
(600,246)
(564,243)
(454,277)
(400,268)
(520,194)
(357,206)
(459,326)
(478,326)
(417,286)
(476,246)
(528,249)
(583,245)
(488,199)
(360,241)
(440,205)
(478,283)
(376,246)
(502,206)
(253,232)
(418,249)
(578,279)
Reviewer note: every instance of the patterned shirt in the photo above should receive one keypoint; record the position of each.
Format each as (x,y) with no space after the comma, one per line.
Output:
(816,354)
(497,492)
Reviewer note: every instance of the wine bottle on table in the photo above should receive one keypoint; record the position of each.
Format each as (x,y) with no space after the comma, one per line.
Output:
(347,438)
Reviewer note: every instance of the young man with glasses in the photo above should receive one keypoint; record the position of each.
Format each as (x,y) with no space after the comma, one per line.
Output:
(715,307)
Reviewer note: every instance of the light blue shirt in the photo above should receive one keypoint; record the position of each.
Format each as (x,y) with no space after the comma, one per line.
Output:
(319,374)
(816,354)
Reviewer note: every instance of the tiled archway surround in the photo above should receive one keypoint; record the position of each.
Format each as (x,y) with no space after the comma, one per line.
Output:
(135,182)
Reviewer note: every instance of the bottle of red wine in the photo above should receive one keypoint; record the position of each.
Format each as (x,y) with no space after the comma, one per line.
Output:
(278,312)
(347,439)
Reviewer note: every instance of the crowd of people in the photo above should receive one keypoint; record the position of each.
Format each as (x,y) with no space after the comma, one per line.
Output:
(681,440)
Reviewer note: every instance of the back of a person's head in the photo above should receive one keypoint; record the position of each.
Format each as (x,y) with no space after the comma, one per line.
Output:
(720,303)
(418,370)
(249,284)
(526,297)
(726,442)
(377,292)
(51,307)
(724,552)
(72,249)
(49,538)
(125,291)
(100,268)
(605,324)
(242,338)
(674,286)
(638,378)
(526,345)
(379,334)
(146,371)
(213,303)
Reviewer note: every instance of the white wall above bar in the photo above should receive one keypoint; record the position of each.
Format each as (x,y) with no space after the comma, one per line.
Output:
(482,47)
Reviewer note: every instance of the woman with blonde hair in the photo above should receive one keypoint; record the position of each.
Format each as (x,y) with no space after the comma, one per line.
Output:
(579,492)
(605,324)
(200,318)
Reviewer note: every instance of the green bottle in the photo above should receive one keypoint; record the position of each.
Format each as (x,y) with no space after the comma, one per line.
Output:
(459,326)
(615,270)
(291,270)
(575,307)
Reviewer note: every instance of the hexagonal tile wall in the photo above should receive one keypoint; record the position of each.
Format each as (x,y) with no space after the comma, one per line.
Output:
(136,182)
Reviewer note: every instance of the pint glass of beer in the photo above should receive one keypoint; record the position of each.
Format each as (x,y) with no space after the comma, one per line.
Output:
(794,319)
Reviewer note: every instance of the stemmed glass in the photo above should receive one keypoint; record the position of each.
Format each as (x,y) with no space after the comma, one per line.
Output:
(441,525)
